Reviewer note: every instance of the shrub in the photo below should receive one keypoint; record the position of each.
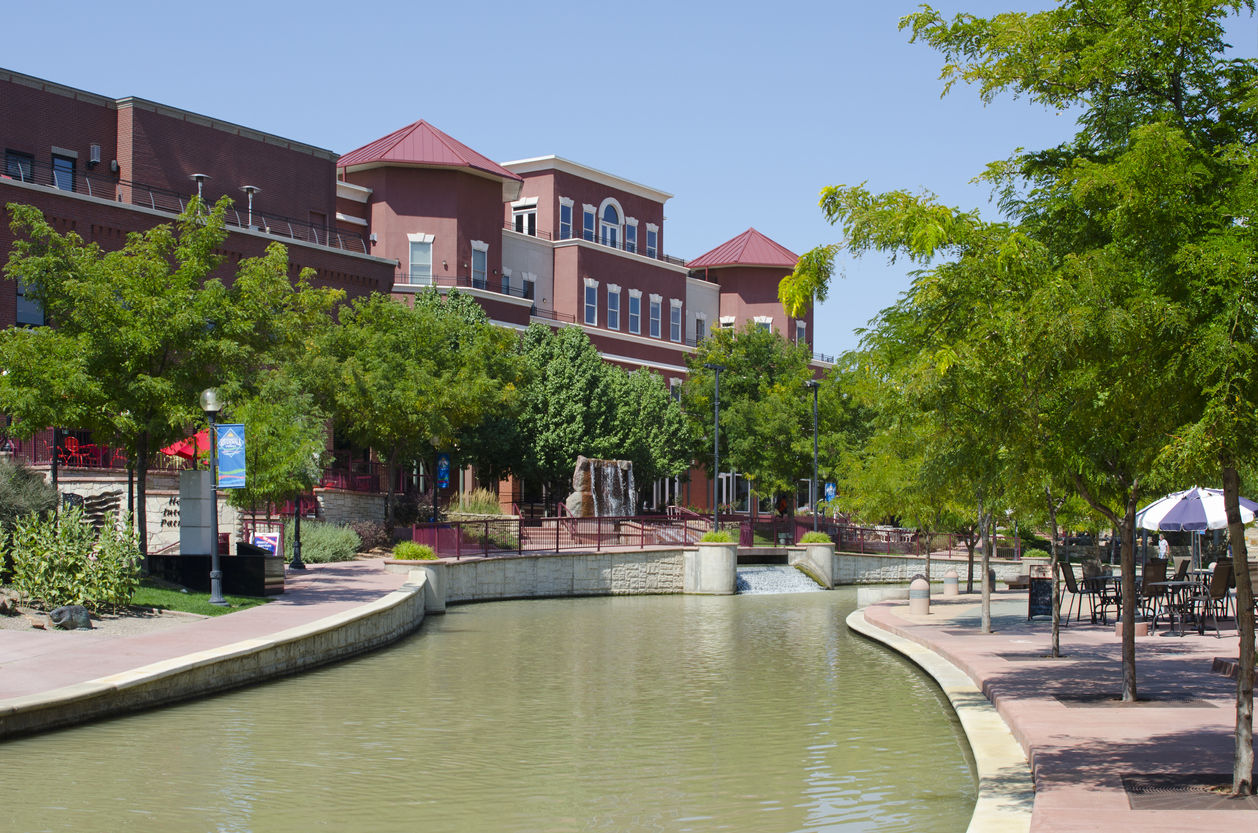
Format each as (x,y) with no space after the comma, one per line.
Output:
(23,492)
(478,502)
(719,536)
(815,538)
(60,561)
(372,534)
(322,542)
(410,551)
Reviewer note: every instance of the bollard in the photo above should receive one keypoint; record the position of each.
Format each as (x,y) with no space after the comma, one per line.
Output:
(919,597)
(951,585)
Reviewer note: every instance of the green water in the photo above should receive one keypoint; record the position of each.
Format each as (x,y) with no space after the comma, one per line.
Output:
(667,713)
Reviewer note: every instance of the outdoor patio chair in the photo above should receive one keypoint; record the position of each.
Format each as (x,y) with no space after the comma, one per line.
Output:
(1151,597)
(1214,599)
(1097,579)
(1077,593)
(1181,568)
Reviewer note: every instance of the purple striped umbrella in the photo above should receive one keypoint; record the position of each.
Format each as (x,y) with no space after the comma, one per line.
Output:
(1193,509)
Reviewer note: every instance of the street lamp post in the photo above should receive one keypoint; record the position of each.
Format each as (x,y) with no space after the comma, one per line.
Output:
(297,563)
(716,441)
(814,385)
(211,405)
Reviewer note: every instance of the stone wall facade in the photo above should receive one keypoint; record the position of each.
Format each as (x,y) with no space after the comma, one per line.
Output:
(850,568)
(565,574)
(341,507)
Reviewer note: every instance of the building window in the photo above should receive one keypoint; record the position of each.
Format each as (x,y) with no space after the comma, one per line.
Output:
(656,314)
(764,322)
(506,281)
(701,328)
(63,172)
(674,389)
(18,165)
(565,218)
(526,285)
(652,240)
(613,307)
(591,302)
(727,322)
(674,320)
(801,333)
(525,220)
(587,222)
(480,264)
(29,312)
(635,311)
(420,271)
(609,223)
(631,235)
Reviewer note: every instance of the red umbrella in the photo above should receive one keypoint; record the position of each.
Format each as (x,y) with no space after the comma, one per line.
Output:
(190,447)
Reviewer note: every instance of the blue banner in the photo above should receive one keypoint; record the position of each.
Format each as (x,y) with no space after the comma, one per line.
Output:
(829,491)
(231,456)
(443,470)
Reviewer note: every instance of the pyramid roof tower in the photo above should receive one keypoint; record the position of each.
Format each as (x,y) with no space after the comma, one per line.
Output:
(420,145)
(751,248)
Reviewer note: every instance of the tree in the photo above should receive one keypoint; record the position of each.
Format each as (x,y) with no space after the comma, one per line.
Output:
(766,412)
(409,382)
(649,428)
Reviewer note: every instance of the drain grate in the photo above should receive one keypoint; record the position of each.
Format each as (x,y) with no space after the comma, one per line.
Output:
(1184,791)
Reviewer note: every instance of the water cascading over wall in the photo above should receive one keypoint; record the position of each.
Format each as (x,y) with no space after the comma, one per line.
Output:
(602,488)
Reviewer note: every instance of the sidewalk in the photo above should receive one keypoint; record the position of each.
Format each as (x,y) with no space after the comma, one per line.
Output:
(34,663)
(1098,764)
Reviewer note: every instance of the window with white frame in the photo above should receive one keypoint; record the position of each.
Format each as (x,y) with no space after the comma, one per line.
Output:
(591,302)
(420,271)
(674,388)
(652,240)
(635,311)
(587,222)
(480,263)
(506,281)
(674,320)
(631,235)
(801,332)
(657,303)
(524,215)
(726,322)
(764,322)
(701,327)
(565,218)
(609,223)
(613,307)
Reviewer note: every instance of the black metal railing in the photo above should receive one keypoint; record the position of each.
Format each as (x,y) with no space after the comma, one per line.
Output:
(108,187)
(620,245)
(507,536)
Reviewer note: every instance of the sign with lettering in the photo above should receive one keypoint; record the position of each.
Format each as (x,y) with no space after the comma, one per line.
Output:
(231,455)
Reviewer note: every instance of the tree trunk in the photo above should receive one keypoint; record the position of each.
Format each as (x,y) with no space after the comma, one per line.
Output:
(1128,530)
(970,540)
(985,519)
(1243,762)
(1052,561)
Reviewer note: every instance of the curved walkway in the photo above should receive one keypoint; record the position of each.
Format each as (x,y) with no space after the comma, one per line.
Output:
(327,612)
(1098,764)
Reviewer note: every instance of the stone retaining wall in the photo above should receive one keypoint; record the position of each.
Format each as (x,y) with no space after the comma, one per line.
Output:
(341,507)
(564,574)
(852,568)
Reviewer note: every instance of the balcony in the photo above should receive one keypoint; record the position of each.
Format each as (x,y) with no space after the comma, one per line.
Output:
(589,238)
(108,187)
(514,289)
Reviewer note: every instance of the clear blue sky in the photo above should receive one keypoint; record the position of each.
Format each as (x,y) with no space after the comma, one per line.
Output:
(742,111)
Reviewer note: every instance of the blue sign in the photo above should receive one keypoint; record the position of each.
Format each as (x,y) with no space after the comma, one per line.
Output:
(443,470)
(231,456)
(830,491)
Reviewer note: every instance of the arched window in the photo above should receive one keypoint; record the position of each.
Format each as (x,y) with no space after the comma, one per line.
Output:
(610,223)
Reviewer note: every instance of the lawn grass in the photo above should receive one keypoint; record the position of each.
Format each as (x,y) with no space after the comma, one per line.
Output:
(151,594)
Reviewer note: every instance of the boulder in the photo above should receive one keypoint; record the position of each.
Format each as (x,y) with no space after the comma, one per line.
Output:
(71,618)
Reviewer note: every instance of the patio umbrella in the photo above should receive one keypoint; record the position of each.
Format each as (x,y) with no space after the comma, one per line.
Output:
(189,447)
(1194,510)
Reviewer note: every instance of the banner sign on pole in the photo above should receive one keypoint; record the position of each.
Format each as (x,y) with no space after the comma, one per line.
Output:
(443,470)
(830,491)
(231,456)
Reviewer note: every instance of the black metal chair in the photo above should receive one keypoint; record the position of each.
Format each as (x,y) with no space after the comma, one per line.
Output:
(1214,599)
(1077,593)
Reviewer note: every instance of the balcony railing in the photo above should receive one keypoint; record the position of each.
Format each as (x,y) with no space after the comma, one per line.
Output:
(620,245)
(105,186)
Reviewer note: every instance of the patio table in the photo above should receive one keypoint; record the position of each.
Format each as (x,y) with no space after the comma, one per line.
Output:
(1177,602)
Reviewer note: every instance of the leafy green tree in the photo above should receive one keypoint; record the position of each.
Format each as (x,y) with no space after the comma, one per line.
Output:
(649,428)
(766,412)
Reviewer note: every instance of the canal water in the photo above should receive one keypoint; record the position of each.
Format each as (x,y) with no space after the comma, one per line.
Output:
(752,713)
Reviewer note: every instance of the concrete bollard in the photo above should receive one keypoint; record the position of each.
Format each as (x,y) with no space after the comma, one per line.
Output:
(952,585)
(919,597)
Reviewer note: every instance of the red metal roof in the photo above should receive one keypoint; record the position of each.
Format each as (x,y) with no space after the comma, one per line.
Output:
(751,248)
(422,144)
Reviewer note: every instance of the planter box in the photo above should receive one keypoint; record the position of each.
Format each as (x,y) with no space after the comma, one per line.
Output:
(243,574)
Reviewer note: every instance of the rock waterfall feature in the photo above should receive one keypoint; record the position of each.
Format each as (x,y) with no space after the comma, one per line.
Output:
(602,488)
